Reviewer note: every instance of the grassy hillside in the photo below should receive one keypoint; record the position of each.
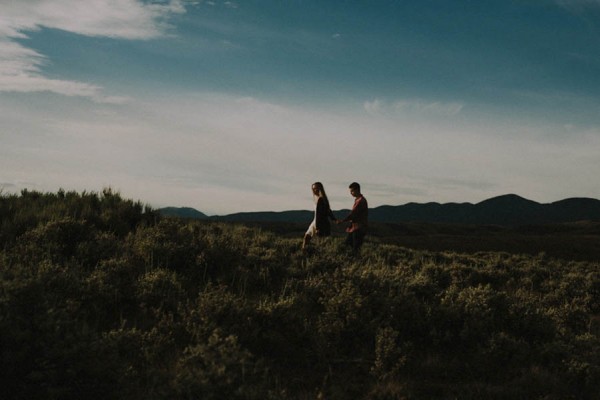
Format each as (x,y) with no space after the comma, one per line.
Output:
(568,241)
(101,298)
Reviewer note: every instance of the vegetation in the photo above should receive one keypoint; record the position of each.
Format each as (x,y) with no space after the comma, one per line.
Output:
(102,298)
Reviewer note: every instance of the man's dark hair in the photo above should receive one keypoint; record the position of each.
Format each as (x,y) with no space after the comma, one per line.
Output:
(354,186)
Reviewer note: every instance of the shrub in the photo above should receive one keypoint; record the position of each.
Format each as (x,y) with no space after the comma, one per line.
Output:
(100,298)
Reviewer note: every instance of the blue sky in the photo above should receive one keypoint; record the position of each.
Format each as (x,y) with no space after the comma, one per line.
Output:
(230,106)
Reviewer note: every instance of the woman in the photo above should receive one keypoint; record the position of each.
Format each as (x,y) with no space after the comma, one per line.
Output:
(320,225)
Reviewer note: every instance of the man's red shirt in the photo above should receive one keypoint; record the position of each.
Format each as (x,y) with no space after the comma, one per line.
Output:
(359,215)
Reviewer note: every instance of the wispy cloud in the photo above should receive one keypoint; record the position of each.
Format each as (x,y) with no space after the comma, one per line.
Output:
(21,68)
(436,107)
(414,107)
(123,19)
(223,153)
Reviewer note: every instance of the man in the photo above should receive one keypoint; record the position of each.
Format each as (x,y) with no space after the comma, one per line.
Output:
(358,219)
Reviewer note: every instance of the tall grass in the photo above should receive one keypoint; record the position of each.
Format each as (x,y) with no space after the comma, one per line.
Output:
(101,298)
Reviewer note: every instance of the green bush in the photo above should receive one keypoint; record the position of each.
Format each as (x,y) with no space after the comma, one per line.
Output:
(102,298)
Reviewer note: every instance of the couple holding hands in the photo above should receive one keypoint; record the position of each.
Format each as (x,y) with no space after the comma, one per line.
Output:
(358,217)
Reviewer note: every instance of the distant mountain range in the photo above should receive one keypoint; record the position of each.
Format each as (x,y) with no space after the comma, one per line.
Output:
(182,212)
(506,210)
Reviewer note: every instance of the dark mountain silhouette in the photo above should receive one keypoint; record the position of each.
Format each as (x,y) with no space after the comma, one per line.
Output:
(506,210)
(509,209)
(182,212)
(268,216)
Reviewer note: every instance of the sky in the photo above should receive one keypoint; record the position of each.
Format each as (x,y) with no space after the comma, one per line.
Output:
(231,106)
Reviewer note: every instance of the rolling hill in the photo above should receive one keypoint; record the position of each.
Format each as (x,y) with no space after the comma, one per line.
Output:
(506,210)
(182,212)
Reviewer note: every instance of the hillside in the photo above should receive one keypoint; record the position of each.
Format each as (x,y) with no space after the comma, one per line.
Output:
(507,210)
(103,298)
(182,212)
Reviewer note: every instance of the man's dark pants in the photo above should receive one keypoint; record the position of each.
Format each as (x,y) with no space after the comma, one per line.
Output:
(355,240)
